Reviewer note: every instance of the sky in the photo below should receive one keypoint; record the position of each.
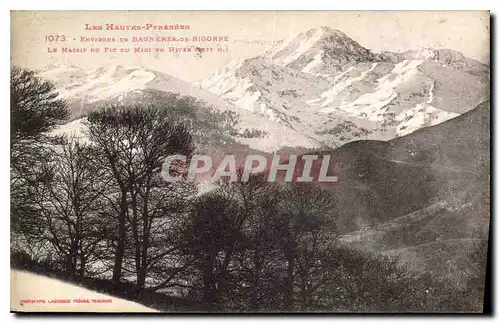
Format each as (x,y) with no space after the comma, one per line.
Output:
(250,33)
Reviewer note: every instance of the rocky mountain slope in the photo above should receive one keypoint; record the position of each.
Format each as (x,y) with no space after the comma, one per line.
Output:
(85,90)
(424,196)
(326,85)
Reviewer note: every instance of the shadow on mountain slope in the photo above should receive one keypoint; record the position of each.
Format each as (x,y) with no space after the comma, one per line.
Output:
(380,181)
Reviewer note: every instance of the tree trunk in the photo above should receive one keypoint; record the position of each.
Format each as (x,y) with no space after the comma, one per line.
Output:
(254,297)
(141,277)
(303,293)
(72,259)
(137,242)
(208,284)
(143,253)
(82,266)
(120,250)
(288,299)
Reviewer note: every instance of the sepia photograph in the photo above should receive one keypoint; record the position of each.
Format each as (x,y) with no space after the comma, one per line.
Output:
(250,161)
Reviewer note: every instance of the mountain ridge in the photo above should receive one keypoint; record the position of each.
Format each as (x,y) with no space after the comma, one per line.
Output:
(301,95)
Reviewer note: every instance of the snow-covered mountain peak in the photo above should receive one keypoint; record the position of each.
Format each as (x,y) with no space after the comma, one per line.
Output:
(322,32)
(288,51)
(54,67)
(319,49)
(326,85)
(100,83)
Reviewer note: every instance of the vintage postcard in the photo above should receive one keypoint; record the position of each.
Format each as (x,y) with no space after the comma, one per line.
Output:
(267,161)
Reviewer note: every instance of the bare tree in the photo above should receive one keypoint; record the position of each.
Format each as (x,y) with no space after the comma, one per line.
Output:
(304,228)
(134,142)
(35,109)
(69,199)
(210,236)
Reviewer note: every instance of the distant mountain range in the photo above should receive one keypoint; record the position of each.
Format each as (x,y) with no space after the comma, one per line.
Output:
(321,89)
(333,90)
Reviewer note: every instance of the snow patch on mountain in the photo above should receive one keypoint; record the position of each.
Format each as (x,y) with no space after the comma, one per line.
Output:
(268,113)
(423,115)
(248,100)
(75,129)
(431,93)
(227,85)
(401,73)
(279,136)
(422,54)
(372,105)
(100,84)
(300,45)
(330,95)
(219,83)
(317,60)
